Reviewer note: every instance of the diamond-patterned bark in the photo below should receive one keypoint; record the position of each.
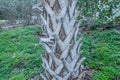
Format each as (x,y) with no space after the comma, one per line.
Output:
(60,29)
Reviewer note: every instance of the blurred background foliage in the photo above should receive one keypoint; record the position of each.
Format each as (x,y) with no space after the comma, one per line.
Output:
(99,12)
(92,12)
(21,10)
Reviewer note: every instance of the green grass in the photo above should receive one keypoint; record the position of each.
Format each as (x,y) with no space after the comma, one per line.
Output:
(102,49)
(20,53)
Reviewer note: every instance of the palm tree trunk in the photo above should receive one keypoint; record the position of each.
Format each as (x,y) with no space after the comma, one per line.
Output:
(62,60)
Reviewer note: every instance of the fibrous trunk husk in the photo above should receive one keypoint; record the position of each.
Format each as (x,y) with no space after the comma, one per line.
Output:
(62,60)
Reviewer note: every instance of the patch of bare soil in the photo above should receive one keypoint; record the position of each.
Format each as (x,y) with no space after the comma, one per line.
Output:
(117,29)
(8,26)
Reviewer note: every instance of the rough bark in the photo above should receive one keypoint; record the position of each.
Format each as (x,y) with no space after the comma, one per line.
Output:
(62,60)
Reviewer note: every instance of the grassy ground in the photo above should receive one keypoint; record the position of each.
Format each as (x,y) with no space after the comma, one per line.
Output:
(20,53)
(102,49)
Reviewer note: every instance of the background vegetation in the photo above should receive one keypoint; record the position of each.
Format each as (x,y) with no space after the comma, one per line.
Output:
(99,13)
(92,12)
(21,10)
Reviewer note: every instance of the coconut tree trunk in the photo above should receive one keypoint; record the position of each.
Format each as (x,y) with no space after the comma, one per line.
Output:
(62,60)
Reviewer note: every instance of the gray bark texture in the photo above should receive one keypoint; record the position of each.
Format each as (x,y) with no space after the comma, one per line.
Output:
(62,60)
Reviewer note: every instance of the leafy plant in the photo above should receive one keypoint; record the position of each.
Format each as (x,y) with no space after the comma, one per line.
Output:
(97,12)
